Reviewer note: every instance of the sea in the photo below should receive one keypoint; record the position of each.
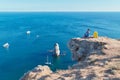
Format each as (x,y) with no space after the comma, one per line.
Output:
(26,51)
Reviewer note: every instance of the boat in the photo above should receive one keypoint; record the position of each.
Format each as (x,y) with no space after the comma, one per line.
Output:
(28,32)
(47,62)
(6,45)
(37,36)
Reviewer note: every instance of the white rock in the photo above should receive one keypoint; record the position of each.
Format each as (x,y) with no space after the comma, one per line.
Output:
(56,49)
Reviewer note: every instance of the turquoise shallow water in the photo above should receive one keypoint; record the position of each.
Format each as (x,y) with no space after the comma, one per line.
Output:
(27,51)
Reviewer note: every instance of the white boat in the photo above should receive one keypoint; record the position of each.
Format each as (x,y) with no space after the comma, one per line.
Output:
(28,32)
(6,45)
(47,62)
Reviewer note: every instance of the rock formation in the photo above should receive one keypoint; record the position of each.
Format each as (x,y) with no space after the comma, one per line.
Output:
(37,73)
(99,59)
(56,49)
(82,47)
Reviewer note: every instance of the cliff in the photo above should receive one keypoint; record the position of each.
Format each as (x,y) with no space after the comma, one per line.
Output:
(83,47)
(36,73)
(98,59)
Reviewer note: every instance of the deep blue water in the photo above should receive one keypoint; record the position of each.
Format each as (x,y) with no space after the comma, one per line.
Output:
(27,51)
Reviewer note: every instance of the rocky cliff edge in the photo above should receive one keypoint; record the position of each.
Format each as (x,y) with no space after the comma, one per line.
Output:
(98,59)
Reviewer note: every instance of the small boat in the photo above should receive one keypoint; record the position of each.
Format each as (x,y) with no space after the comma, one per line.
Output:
(28,32)
(47,62)
(37,36)
(6,45)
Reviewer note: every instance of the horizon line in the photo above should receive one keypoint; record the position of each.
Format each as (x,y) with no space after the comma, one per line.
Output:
(57,11)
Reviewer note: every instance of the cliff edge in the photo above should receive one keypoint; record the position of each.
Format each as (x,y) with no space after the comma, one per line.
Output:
(98,59)
(83,47)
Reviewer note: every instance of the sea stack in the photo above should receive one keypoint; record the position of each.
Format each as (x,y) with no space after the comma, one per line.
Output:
(98,59)
(56,49)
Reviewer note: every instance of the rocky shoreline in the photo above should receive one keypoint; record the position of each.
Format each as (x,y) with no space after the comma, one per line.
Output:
(98,59)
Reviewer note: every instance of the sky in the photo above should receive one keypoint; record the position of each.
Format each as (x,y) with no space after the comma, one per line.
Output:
(59,5)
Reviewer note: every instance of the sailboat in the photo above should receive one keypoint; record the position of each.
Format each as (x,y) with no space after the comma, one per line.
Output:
(47,62)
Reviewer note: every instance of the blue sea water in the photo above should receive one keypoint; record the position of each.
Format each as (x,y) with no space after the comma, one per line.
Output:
(28,51)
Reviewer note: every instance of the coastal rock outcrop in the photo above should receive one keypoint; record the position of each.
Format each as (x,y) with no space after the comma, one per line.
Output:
(83,47)
(56,49)
(98,59)
(37,73)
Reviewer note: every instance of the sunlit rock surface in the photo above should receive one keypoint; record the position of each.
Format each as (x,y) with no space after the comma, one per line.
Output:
(98,59)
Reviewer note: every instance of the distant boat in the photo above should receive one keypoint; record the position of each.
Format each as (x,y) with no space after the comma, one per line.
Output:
(64,53)
(28,32)
(47,62)
(6,45)
(50,50)
(37,36)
